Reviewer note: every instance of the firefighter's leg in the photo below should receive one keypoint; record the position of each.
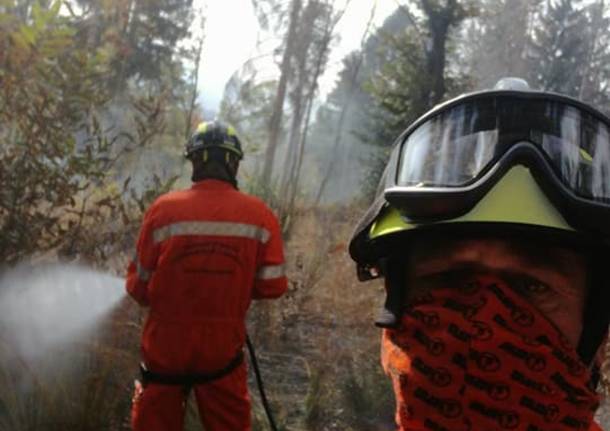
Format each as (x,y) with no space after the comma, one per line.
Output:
(224,404)
(158,408)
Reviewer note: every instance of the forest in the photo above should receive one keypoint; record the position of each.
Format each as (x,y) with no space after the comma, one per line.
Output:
(99,97)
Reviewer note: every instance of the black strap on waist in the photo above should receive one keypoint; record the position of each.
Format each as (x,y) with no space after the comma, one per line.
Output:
(189,380)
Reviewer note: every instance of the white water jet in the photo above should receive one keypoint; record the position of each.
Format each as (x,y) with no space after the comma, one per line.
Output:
(44,307)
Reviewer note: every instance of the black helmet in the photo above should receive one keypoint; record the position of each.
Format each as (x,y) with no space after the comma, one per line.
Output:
(508,161)
(214,135)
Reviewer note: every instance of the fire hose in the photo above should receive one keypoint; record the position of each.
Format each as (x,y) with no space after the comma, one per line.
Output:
(259,382)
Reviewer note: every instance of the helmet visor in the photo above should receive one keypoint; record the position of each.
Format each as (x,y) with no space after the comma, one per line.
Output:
(459,144)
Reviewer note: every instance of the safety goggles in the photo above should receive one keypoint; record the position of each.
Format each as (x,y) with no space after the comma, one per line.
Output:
(450,158)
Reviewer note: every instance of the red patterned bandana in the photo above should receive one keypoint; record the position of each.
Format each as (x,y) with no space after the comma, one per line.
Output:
(482,358)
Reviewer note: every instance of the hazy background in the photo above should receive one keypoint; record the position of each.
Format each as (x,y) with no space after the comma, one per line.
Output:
(97,99)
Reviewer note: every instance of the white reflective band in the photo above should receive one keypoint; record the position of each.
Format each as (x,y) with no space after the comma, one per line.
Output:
(143,274)
(270,272)
(211,228)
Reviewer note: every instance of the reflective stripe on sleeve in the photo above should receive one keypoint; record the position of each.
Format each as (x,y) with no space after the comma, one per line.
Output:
(270,272)
(143,274)
(240,230)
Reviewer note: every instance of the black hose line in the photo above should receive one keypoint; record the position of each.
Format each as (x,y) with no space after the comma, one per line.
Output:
(259,381)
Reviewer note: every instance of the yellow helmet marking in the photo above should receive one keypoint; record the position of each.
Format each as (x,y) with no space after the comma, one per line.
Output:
(202,127)
(516,198)
(585,155)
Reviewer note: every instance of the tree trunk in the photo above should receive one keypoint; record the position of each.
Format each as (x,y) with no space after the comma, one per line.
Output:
(303,51)
(275,122)
(291,152)
(588,81)
(296,174)
(440,19)
(192,103)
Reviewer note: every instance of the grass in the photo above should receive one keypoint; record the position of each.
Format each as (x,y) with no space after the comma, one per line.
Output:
(325,333)
(84,385)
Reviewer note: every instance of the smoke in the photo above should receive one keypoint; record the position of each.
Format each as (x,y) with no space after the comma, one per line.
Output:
(42,308)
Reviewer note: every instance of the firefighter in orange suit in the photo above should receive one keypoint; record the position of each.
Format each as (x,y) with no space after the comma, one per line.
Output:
(202,255)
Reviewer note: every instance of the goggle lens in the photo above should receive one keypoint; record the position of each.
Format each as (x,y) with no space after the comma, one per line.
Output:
(455,147)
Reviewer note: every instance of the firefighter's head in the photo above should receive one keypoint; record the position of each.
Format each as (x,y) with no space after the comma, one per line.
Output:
(215,152)
(491,229)
(512,166)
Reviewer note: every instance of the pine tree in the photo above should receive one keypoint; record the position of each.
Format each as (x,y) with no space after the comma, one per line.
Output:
(416,73)
(145,34)
(494,44)
(596,76)
(558,47)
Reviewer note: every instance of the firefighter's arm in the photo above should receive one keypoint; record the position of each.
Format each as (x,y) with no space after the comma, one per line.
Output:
(270,280)
(143,264)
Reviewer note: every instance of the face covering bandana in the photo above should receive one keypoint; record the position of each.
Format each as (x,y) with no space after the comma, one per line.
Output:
(482,358)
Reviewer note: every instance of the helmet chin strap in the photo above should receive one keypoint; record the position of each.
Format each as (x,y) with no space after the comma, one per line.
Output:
(595,316)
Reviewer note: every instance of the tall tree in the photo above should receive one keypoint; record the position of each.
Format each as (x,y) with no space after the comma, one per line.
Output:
(414,76)
(64,136)
(441,17)
(317,31)
(275,122)
(146,35)
(558,44)
(494,43)
(595,85)
(348,119)
(194,54)
(50,93)
(247,104)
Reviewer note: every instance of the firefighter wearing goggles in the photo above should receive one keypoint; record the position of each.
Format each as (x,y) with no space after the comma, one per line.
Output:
(202,255)
(491,229)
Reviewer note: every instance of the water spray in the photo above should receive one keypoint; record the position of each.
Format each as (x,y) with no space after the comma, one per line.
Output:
(51,318)
(45,306)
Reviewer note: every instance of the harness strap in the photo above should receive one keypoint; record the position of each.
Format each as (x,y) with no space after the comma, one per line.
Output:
(190,380)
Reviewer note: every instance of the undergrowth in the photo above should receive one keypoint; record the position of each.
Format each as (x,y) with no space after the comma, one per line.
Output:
(317,348)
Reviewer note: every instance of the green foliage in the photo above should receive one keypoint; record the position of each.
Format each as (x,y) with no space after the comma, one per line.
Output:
(569,51)
(407,83)
(49,93)
(59,143)
(401,87)
(144,35)
(414,74)
(559,45)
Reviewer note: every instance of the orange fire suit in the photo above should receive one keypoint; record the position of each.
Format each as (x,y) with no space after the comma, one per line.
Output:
(202,255)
